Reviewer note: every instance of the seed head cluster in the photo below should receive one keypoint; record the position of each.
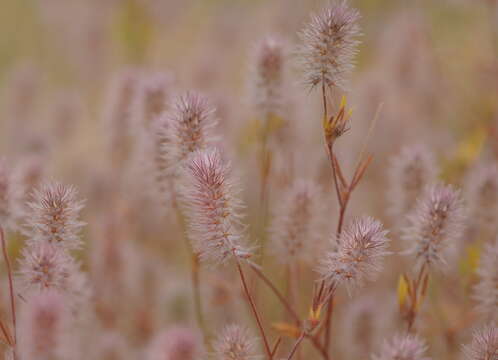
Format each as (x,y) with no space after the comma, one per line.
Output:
(329,45)
(213,208)
(359,255)
(435,225)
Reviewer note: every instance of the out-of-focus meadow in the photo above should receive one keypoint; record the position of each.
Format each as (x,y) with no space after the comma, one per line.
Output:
(426,76)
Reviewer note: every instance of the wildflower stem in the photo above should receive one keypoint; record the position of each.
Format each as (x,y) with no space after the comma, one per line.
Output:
(412,315)
(277,293)
(195,278)
(254,309)
(296,345)
(11,288)
(289,308)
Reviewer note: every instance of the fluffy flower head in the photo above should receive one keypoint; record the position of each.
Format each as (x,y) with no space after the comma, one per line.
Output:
(486,289)
(213,208)
(267,77)
(54,216)
(234,343)
(359,255)
(175,344)
(435,225)
(411,171)
(403,347)
(190,122)
(329,45)
(44,320)
(484,344)
(295,231)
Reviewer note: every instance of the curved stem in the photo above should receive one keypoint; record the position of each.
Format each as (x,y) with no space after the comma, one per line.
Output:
(289,308)
(277,293)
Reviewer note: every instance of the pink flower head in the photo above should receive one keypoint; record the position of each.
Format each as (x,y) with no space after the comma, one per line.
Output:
(43,322)
(213,208)
(267,77)
(44,267)
(234,343)
(190,123)
(403,347)
(177,343)
(486,289)
(435,225)
(484,344)
(329,45)
(359,255)
(54,216)
(295,231)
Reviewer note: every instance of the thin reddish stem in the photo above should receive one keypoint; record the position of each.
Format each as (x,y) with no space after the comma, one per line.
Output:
(289,308)
(11,288)
(296,345)
(254,310)
(277,293)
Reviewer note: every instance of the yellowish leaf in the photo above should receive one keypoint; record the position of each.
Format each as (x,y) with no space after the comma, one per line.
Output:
(402,291)
(287,329)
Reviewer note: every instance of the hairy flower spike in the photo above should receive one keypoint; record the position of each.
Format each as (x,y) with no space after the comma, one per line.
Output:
(359,255)
(44,267)
(295,231)
(175,344)
(482,195)
(212,208)
(486,290)
(190,122)
(151,99)
(329,45)
(118,114)
(411,171)
(437,221)
(403,347)
(43,322)
(53,218)
(234,343)
(267,78)
(484,344)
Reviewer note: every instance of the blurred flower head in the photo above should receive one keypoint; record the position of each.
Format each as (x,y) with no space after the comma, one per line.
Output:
(267,77)
(484,344)
(486,289)
(403,347)
(410,172)
(190,122)
(54,216)
(10,198)
(296,228)
(177,343)
(435,225)
(44,319)
(234,343)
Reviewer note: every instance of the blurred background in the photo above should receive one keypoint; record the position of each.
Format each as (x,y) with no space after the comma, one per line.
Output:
(430,68)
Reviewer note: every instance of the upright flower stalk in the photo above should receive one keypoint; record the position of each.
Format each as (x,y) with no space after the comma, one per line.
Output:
(213,210)
(434,227)
(183,130)
(267,95)
(329,44)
